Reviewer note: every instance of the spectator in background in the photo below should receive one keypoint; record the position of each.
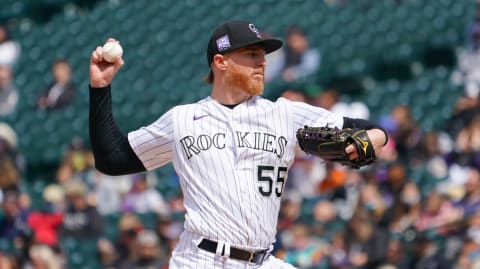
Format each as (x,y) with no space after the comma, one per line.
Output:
(473,31)
(407,210)
(469,254)
(107,254)
(467,143)
(13,224)
(77,162)
(107,191)
(176,205)
(54,197)
(143,198)
(330,100)
(465,109)
(8,92)
(396,256)
(371,200)
(146,253)
(437,215)
(347,202)
(61,91)
(326,223)
(367,242)
(168,231)
(43,257)
(298,60)
(467,74)
(470,203)
(334,179)
(9,165)
(303,250)
(338,251)
(468,103)
(8,262)
(326,99)
(47,221)
(405,132)
(434,145)
(80,220)
(9,49)
(294,95)
(290,210)
(391,190)
(129,226)
(306,174)
(428,254)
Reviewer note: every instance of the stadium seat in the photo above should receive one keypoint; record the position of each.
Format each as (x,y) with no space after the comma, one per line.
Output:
(6,246)
(80,253)
(111,225)
(149,220)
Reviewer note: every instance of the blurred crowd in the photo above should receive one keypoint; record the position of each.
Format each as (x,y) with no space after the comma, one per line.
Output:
(417,207)
(125,220)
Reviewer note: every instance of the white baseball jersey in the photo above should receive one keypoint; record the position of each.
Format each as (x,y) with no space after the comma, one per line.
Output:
(232,163)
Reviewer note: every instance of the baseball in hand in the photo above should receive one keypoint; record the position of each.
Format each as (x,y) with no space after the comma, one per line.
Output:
(111,50)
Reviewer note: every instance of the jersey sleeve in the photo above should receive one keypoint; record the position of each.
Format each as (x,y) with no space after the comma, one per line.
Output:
(153,144)
(305,114)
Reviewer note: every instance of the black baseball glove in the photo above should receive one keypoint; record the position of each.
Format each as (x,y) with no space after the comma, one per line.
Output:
(330,143)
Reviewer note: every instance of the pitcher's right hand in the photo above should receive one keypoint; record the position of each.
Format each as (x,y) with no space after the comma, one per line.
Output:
(101,71)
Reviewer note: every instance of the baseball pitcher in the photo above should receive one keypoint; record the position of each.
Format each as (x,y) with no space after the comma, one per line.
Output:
(232,150)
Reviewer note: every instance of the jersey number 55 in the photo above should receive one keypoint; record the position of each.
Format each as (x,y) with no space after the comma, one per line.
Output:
(273,179)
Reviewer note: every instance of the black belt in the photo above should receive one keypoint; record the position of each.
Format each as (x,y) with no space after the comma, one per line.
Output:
(256,257)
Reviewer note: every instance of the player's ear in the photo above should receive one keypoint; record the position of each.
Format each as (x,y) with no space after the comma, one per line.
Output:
(219,61)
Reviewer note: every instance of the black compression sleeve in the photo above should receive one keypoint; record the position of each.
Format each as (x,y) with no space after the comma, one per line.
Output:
(111,149)
(362,124)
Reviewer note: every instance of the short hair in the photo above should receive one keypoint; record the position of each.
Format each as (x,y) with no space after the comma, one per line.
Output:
(209,78)
(295,29)
(147,238)
(60,61)
(6,32)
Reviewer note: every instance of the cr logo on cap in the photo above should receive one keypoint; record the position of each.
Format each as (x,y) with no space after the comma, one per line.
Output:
(255,30)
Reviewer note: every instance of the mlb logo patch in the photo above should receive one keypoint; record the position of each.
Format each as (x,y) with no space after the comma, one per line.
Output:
(223,43)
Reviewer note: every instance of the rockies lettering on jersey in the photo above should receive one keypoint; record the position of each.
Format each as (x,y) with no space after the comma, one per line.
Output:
(258,141)
(223,155)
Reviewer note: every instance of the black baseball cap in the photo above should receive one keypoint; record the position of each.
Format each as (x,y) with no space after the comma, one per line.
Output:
(238,34)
